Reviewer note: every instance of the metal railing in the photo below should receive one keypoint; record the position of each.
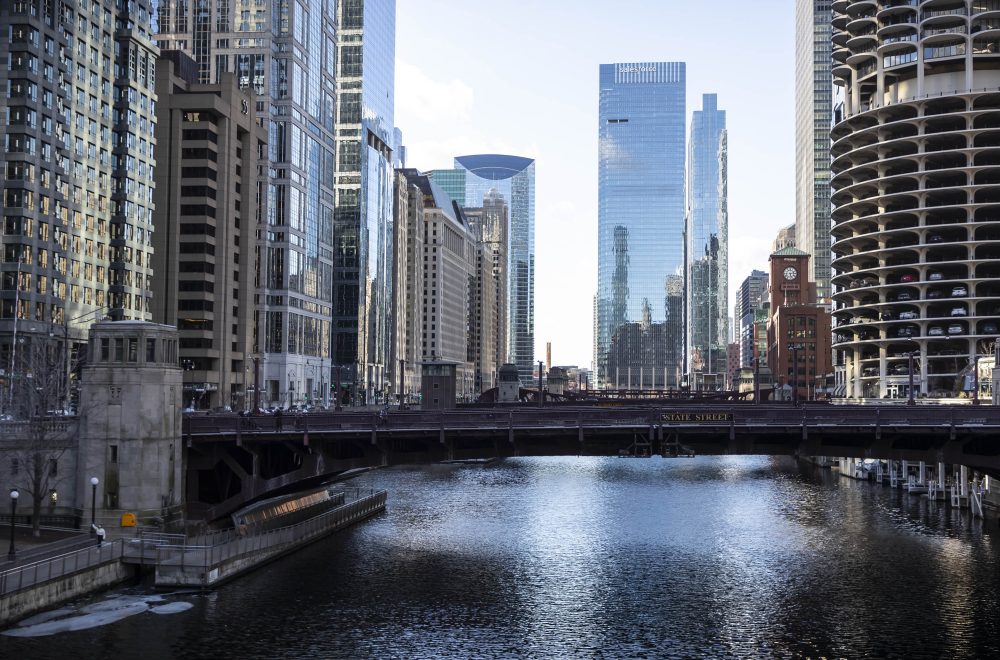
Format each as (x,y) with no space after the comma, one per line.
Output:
(213,428)
(206,556)
(40,572)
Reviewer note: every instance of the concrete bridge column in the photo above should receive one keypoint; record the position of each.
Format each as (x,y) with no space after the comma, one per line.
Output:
(922,474)
(906,472)
(963,481)
(940,476)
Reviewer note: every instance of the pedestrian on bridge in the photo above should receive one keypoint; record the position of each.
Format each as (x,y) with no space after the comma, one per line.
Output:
(277,419)
(100,535)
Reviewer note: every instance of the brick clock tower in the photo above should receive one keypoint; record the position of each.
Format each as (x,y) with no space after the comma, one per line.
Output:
(789,281)
(798,331)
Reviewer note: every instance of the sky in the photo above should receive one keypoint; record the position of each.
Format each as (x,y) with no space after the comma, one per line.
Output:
(521,77)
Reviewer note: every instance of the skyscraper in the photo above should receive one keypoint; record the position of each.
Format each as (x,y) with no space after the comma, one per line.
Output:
(813,120)
(79,134)
(707,236)
(204,249)
(640,247)
(513,177)
(323,73)
(362,256)
(452,182)
(750,297)
(488,308)
(289,58)
(914,191)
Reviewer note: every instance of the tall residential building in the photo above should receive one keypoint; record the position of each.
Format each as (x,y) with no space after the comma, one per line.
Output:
(363,231)
(514,178)
(640,245)
(915,193)
(707,236)
(288,55)
(408,284)
(750,297)
(205,256)
(488,304)
(813,120)
(77,186)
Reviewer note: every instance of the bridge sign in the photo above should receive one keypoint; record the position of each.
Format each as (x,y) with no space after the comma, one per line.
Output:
(698,417)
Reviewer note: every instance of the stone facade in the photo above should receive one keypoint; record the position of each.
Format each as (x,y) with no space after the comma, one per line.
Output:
(130,418)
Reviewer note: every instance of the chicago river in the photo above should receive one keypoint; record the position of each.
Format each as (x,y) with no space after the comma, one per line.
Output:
(588,557)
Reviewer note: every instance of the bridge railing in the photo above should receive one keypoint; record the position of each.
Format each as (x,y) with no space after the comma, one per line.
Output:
(738,414)
(206,556)
(53,568)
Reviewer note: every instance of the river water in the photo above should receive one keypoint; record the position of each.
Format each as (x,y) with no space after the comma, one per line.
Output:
(587,557)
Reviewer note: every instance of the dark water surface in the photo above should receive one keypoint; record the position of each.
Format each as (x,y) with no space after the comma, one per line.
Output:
(593,557)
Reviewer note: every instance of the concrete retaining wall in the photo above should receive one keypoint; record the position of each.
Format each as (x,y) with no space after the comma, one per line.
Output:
(26,602)
(194,568)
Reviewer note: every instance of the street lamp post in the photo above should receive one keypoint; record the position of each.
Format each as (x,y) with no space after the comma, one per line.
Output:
(93,502)
(11,554)
(291,387)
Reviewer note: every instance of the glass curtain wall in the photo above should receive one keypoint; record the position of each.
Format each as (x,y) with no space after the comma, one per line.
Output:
(514,178)
(707,247)
(639,304)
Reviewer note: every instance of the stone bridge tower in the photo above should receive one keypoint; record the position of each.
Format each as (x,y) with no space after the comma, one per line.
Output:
(130,419)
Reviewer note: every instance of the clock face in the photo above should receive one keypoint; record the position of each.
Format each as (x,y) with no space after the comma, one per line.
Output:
(790,273)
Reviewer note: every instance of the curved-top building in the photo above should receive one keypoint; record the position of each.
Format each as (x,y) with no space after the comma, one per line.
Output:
(514,178)
(916,191)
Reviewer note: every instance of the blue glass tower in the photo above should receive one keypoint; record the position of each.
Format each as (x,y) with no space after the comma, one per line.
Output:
(640,249)
(514,178)
(707,246)
(363,225)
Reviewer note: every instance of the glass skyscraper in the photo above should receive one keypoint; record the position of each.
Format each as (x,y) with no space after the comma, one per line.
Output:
(513,177)
(639,305)
(363,225)
(452,182)
(707,237)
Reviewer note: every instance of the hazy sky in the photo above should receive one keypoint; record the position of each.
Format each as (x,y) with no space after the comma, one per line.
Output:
(521,77)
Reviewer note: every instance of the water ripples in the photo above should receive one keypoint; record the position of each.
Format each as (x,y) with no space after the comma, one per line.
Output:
(728,557)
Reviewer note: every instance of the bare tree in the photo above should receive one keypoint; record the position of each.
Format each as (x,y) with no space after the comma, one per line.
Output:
(41,433)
